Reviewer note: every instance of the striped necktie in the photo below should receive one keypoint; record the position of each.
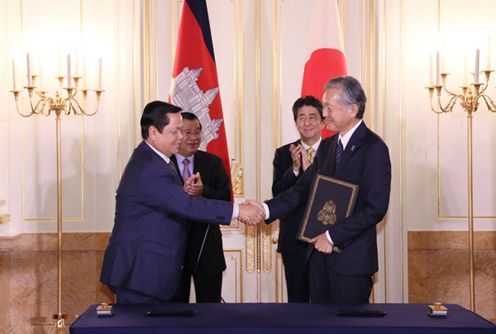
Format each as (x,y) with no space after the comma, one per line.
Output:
(309,152)
(339,152)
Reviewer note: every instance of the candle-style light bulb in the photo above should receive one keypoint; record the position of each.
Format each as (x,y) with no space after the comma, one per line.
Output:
(477,59)
(431,72)
(488,54)
(438,66)
(14,83)
(30,77)
(100,73)
(69,75)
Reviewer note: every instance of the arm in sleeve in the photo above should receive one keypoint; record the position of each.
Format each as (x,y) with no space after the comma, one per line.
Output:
(159,189)
(217,185)
(284,176)
(373,197)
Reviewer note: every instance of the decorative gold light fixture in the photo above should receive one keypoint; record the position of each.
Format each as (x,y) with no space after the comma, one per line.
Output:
(469,99)
(67,100)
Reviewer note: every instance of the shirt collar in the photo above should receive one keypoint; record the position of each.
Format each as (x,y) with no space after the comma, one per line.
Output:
(346,138)
(180,158)
(160,154)
(314,146)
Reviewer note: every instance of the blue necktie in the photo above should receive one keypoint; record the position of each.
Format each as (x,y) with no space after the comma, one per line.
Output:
(339,152)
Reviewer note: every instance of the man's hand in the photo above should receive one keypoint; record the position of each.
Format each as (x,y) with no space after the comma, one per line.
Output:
(295,151)
(322,243)
(194,185)
(250,212)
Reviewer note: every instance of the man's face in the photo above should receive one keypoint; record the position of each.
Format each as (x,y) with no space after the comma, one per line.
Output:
(168,141)
(309,123)
(338,117)
(191,137)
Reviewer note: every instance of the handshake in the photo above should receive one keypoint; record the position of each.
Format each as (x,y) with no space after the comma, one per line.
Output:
(251,212)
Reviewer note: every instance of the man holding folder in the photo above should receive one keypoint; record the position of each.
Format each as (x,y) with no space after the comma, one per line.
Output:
(358,156)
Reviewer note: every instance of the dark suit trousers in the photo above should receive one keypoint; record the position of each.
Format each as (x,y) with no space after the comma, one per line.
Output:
(297,277)
(327,286)
(208,287)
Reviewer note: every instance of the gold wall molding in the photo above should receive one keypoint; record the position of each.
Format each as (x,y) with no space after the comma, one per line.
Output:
(277,74)
(235,256)
(238,162)
(4,218)
(237,179)
(81,217)
(252,232)
(279,280)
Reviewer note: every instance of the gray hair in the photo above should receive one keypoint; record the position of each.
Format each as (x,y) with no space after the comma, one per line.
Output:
(351,92)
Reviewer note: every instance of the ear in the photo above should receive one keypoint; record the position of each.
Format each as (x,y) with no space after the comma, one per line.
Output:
(152,132)
(354,109)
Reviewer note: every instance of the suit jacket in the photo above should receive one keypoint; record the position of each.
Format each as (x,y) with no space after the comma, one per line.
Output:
(146,248)
(284,178)
(204,250)
(365,162)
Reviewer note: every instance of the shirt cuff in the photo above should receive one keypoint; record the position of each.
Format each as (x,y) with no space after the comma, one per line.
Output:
(329,237)
(296,172)
(266,209)
(235,213)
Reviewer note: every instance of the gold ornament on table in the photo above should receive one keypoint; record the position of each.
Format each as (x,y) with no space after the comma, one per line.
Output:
(66,100)
(469,98)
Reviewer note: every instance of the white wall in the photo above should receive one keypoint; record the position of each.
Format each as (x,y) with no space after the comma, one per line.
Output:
(435,171)
(94,149)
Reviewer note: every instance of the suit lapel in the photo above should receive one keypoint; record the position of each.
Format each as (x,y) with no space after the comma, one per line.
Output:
(352,147)
(176,168)
(197,162)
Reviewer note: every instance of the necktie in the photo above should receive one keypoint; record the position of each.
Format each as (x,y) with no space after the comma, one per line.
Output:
(186,173)
(339,152)
(174,171)
(309,152)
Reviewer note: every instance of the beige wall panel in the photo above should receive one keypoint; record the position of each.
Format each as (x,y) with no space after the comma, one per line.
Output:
(436,194)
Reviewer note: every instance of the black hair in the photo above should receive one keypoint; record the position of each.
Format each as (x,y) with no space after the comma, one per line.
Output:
(190,117)
(156,114)
(308,100)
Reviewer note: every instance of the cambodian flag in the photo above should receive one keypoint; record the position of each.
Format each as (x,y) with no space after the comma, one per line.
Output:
(195,86)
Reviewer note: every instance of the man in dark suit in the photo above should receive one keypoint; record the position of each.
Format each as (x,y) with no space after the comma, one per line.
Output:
(290,161)
(143,260)
(359,156)
(204,175)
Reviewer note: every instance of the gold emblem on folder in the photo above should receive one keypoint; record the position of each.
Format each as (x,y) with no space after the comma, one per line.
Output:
(327,215)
